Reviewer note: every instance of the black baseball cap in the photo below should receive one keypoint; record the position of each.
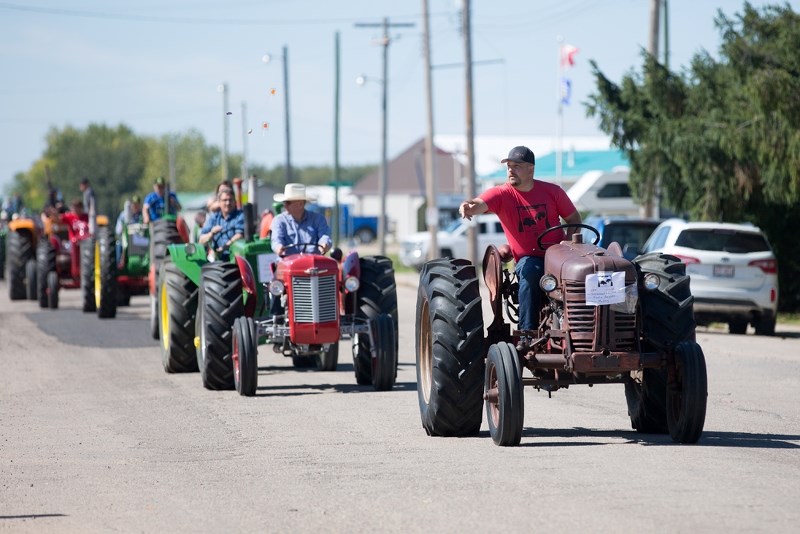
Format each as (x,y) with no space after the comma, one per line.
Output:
(521,154)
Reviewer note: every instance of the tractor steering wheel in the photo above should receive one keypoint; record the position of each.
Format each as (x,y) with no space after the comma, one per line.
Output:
(561,227)
(317,246)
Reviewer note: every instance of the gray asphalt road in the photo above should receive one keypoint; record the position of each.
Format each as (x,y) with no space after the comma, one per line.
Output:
(97,438)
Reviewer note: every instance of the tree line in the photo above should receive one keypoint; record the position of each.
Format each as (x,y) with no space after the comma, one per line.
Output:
(721,139)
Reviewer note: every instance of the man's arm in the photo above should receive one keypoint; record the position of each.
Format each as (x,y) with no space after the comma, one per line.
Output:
(470,208)
(575,218)
(324,232)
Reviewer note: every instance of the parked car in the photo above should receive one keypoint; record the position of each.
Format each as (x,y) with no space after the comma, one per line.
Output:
(630,232)
(733,271)
(452,240)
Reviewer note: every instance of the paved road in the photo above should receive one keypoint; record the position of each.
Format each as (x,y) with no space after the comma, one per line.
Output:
(97,438)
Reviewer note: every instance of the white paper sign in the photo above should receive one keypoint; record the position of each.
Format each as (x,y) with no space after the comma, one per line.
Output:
(605,287)
(265,262)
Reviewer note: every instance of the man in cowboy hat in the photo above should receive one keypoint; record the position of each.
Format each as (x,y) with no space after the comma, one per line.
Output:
(298,226)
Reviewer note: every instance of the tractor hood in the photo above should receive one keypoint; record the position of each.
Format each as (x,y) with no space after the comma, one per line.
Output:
(569,261)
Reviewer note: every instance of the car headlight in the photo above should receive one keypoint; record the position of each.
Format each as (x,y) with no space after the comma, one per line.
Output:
(548,283)
(351,283)
(276,288)
(651,281)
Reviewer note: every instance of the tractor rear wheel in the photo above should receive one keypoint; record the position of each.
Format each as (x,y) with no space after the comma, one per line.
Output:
(220,303)
(688,394)
(505,397)
(19,250)
(31,285)
(384,364)
(177,298)
(2,256)
(105,274)
(376,295)
(245,356)
(45,263)
(449,348)
(87,275)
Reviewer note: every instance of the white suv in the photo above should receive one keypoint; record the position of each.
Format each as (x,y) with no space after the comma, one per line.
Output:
(733,271)
(452,240)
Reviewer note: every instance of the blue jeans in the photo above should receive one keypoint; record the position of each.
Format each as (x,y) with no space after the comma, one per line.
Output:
(529,270)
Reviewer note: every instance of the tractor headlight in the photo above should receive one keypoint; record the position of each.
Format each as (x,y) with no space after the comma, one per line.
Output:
(276,288)
(651,281)
(190,249)
(351,283)
(548,283)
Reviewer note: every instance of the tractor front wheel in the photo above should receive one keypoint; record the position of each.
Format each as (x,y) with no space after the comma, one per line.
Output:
(31,286)
(52,290)
(45,262)
(245,356)
(384,362)
(687,394)
(87,275)
(329,359)
(105,274)
(505,399)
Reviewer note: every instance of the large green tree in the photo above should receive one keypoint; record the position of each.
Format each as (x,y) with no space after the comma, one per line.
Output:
(722,138)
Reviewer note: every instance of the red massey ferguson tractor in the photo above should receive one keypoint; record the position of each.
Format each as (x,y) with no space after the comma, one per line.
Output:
(325,299)
(65,259)
(604,320)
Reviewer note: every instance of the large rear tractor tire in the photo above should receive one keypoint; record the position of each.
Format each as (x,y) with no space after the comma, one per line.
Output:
(245,356)
(105,274)
(177,308)
(45,263)
(376,295)
(667,312)
(449,346)
(19,250)
(505,397)
(87,275)
(220,303)
(688,394)
(667,320)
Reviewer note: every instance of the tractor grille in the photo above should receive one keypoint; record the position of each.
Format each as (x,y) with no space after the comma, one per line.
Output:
(314,299)
(594,328)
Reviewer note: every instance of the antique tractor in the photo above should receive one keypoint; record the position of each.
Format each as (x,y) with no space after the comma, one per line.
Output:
(121,267)
(65,259)
(324,300)
(604,320)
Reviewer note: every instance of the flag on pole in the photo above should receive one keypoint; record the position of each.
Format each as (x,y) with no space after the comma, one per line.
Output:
(568,55)
(566,90)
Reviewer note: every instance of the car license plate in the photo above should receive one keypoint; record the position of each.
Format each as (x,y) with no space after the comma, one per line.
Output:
(724,271)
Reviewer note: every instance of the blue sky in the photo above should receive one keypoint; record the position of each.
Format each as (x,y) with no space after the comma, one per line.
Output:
(156,65)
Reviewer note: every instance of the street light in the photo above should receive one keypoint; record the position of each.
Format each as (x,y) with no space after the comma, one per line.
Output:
(284,57)
(362,80)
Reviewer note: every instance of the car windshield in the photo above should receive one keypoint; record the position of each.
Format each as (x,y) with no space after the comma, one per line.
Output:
(625,233)
(722,240)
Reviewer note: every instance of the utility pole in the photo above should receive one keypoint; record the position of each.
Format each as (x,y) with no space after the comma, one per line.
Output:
(382,185)
(472,234)
(286,113)
(652,181)
(223,88)
(431,186)
(336,171)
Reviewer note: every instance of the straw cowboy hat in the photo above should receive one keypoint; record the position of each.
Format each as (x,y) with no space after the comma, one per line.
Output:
(293,192)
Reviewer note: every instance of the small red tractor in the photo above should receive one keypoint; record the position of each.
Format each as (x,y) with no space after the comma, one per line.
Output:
(65,259)
(604,320)
(325,300)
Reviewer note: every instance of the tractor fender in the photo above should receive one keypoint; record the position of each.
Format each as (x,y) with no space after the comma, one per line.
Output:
(351,266)
(21,224)
(248,286)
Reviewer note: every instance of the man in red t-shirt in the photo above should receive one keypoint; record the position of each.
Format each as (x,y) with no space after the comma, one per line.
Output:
(77,218)
(526,208)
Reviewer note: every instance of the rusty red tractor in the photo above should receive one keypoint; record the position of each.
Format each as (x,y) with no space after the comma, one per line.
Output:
(604,320)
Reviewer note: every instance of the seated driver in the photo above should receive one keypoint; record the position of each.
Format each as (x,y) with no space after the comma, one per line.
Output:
(76,218)
(296,225)
(223,227)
